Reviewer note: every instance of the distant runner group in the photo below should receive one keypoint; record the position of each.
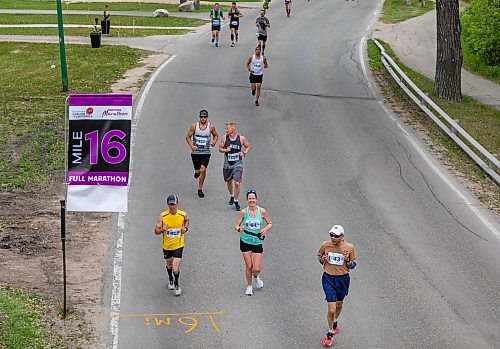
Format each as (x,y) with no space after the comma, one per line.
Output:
(337,256)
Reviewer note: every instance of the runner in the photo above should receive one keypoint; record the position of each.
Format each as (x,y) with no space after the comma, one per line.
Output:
(215,15)
(288,7)
(338,258)
(234,15)
(256,64)
(232,145)
(172,225)
(250,224)
(262,23)
(198,139)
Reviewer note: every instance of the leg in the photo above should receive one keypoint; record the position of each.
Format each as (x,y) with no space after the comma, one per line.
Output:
(236,33)
(339,305)
(232,35)
(176,264)
(203,174)
(169,262)
(258,92)
(213,35)
(257,264)
(236,190)
(229,184)
(247,256)
(331,314)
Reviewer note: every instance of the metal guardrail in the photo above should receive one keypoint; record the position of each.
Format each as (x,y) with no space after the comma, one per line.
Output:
(453,129)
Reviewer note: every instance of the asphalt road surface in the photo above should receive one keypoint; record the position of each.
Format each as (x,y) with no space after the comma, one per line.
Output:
(324,152)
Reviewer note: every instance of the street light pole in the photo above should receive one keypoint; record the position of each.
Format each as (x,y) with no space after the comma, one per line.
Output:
(62,49)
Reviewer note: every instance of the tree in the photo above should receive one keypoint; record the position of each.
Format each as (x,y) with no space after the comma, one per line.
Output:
(449,51)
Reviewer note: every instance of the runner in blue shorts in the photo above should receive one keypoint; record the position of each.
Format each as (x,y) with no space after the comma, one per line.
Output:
(338,258)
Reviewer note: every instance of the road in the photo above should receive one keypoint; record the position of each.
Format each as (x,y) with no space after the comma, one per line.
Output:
(324,152)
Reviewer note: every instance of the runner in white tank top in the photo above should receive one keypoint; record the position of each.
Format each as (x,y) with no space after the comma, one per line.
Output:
(256,64)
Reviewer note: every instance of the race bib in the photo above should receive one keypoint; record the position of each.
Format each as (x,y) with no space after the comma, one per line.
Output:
(335,258)
(201,142)
(216,21)
(173,233)
(233,157)
(234,22)
(257,66)
(252,224)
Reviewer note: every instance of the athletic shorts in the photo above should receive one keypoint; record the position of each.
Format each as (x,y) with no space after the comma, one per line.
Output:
(235,173)
(216,27)
(262,37)
(200,160)
(232,26)
(244,247)
(288,1)
(167,254)
(336,287)
(256,79)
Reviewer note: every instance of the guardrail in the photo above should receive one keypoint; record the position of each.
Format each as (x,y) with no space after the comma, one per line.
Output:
(444,121)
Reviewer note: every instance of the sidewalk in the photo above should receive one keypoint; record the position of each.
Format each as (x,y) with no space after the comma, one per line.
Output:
(414,42)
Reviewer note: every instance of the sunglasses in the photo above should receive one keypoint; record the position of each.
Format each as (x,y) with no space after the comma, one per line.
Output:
(251,191)
(203,116)
(335,236)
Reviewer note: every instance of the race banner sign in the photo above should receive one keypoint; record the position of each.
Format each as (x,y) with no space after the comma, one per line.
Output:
(98,152)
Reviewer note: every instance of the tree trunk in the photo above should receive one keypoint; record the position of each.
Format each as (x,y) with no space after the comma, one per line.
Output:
(449,51)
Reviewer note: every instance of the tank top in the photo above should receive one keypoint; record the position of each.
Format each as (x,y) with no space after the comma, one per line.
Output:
(201,138)
(257,65)
(235,19)
(253,225)
(172,237)
(216,15)
(232,158)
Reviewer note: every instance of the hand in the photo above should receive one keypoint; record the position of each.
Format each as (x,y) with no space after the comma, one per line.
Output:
(183,230)
(158,225)
(164,227)
(228,149)
(212,144)
(324,258)
(193,147)
(238,229)
(251,71)
(347,256)
(241,154)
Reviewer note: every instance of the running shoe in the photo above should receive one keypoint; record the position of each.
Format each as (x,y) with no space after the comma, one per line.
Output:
(216,44)
(336,330)
(249,290)
(170,285)
(213,39)
(201,194)
(253,92)
(327,341)
(196,174)
(257,103)
(231,200)
(232,44)
(177,290)
(258,282)
(237,206)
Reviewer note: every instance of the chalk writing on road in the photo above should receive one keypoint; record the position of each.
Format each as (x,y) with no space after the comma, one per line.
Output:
(189,321)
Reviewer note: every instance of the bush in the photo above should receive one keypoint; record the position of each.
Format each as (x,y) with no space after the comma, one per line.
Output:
(480,28)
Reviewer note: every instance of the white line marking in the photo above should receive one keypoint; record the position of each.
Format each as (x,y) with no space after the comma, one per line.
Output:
(118,259)
(417,147)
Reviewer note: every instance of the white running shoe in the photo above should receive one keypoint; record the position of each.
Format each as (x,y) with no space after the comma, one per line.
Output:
(249,290)
(170,284)
(258,282)
(178,290)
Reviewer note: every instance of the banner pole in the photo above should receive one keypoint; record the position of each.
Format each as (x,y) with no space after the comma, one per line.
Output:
(63,242)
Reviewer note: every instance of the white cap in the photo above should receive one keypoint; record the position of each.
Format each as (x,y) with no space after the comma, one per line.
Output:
(337,229)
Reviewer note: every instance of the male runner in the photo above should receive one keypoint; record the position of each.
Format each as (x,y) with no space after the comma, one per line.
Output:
(172,225)
(234,15)
(198,139)
(256,64)
(288,7)
(262,23)
(338,258)
(250,224)
(215,16)
(231,145)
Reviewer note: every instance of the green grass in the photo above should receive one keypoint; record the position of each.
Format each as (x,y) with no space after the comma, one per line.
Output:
(93,6)
(474,64)
(22,323)
(85,32)
(480,121)
(395,11)
(32,106)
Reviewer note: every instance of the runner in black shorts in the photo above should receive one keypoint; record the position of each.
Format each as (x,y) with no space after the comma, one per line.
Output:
(256,64)
(262,23)
(216,15)
(288,7)
(234,15)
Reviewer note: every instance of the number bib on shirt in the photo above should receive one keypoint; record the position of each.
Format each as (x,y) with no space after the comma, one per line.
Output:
(201,142)
(252,224)
(234,22)
(215,22)
(233,157)
(173,233)
(335,258)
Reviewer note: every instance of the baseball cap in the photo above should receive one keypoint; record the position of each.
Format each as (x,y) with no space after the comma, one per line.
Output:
(258,48)
(172,199)
(203,112)
(337,230)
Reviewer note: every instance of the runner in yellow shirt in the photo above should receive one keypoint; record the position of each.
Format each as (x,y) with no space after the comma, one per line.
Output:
(172,225)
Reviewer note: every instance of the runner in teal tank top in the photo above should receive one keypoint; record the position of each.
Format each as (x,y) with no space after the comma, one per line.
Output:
(250,224)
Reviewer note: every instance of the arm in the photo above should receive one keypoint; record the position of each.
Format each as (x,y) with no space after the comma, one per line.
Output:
(215,136)
(249,61)
(240,218)
(266,65)
(240,14)
(160,227)
(265,216)
(322,257)
(246,144)
(185,225)
(189,137)
(350,258)
(221,145)
(268,24)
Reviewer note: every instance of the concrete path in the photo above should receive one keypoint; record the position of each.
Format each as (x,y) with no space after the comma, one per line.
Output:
(414,41)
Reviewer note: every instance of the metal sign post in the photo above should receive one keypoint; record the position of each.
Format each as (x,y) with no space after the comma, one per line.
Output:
(63,242)
(62,48)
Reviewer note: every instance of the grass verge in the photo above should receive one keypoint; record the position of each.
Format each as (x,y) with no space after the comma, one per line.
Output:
(92,6)
(480,121)
(32,106)
(86,32)
(395,11)
(22,324)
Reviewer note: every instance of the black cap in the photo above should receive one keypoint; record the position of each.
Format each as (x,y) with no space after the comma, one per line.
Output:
(203,112)
(172,199)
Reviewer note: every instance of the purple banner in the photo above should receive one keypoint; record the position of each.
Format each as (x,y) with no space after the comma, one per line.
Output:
(98,178)
(100,100)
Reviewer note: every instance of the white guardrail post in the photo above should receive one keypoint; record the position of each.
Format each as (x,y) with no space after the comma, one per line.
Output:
(452,128)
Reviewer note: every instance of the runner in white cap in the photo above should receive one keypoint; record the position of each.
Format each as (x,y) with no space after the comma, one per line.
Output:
(338,258)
